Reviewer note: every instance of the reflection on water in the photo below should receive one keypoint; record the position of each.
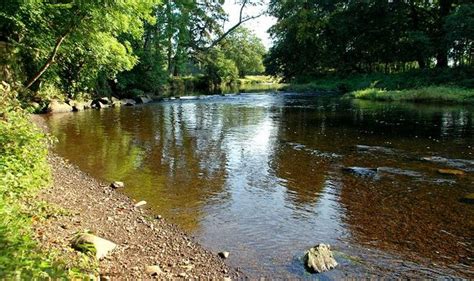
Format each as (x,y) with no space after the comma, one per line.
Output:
(261,176)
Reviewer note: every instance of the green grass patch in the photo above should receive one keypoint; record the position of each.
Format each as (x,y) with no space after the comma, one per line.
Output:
(434,94)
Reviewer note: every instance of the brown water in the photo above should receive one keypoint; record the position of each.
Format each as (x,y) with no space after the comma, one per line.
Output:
(262,176)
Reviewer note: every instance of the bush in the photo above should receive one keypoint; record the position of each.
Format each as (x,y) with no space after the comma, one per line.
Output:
(23,170)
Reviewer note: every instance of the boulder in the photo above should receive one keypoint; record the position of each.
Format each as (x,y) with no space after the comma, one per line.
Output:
(89,243)
(117,184)
(98,104)
(115,102)
(143,99)
(452,172)
(128,102)
(58,107)
(320,259)
(80,105)
(105,100)
(224,255)
(153,270)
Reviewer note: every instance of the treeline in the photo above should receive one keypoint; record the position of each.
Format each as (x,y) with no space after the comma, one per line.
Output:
(128,48)
(318,37)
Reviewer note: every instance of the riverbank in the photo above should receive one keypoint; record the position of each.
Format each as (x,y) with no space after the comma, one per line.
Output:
(143,240)
(432,82)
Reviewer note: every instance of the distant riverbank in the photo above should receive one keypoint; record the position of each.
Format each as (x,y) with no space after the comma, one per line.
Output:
(428,86)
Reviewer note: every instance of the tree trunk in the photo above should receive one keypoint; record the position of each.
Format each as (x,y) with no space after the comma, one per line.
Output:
(445,7)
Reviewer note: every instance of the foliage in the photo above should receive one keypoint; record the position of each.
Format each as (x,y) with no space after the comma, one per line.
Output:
(427,95)
(23,169)
(317,37)
(246,50)
(74,42)
(220,70)
(458,77)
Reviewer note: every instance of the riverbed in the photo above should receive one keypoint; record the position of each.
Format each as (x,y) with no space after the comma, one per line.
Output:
(267,176)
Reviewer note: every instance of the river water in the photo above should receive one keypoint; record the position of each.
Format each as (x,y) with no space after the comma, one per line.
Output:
(265,177)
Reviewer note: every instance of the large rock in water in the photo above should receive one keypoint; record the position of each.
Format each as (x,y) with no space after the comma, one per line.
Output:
(86,242)
(320,259)
(58,107)
(80,105)
(143,99)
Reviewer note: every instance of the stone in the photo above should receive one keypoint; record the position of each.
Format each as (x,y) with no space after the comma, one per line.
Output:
(153,270)
(451,172)
(143,99)
(99,104)
(86,242)
(141,203)
(468,198)
(58,107)
(362,172)
(117,184)
(128,102)
(224,255)
(80,105)
(104,100)
(320,259)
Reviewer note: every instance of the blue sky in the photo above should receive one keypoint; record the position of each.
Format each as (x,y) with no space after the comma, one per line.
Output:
(259,25)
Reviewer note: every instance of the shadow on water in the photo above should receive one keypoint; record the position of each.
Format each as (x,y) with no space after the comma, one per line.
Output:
(262,176)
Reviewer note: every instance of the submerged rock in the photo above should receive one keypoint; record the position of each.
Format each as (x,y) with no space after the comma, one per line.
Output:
(58,107)
(361,171)
(401,172)
(468,198)
(463,164)
(89,243)
(369,148)
(320,259)
(451,172)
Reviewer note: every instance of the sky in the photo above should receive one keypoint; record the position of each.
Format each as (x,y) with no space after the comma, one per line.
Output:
(259,25)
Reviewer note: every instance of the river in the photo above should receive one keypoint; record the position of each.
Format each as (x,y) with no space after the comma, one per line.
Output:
(264,176)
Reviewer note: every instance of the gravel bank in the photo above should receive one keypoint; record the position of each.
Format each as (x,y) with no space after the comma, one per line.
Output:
(142,240)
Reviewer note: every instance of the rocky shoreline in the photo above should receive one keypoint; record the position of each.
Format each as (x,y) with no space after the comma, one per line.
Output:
(142,240)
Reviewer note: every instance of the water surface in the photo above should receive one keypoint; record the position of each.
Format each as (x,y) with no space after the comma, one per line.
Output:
(263,176)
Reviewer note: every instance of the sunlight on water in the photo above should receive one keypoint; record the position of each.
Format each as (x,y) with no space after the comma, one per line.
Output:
(268,176)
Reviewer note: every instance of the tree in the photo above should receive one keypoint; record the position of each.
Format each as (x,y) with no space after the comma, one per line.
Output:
(82,36)
(246,50)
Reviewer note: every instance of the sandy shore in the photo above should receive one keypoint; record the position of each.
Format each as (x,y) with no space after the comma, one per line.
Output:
(142,240)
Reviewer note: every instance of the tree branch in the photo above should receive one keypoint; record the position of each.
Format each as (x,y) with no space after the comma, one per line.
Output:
(230,30)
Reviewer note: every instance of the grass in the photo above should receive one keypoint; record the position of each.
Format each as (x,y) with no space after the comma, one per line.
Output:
(23,171)
(433,94)
(258,79)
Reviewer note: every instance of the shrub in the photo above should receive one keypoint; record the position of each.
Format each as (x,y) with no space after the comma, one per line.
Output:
(23,170)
